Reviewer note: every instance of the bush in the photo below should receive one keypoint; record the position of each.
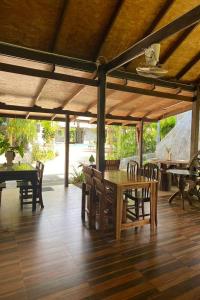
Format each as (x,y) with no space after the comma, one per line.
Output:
(77,176)
(42,154)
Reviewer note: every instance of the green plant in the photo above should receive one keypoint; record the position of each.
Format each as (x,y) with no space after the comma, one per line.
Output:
(77,176)
(6,146)
(91,159)
(49,131)
(42,154)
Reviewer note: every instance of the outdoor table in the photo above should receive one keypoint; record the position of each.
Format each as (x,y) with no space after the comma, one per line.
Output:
(120,181)
(20,172)
(164,165)
(181,174)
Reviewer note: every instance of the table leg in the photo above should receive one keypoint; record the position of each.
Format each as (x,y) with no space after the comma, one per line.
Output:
(34,185)
(173,196)
(119,204)
(153,206)
(180,192)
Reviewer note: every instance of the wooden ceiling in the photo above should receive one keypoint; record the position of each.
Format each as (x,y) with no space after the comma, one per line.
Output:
(87,30)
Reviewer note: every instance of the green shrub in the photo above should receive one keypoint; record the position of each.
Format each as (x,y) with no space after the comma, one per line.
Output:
(42,154)
(77,176)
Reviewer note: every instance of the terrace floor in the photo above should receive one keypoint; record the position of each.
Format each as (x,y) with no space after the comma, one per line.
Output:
(51,255)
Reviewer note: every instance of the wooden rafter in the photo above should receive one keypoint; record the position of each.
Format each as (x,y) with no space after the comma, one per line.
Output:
(190,18)
(60,111)
(188,66)
(156,81)
(46,74)
(47,57)
(175,45)
(142,91)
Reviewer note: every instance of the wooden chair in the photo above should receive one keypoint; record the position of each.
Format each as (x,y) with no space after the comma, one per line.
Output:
(88,199)
(2,186)
(131,210)
(193,182)
(132,167)
(26,188)
(112,164)
(104,197)
(141,196)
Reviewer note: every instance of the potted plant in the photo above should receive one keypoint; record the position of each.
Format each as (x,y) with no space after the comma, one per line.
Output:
(10,151)
(91,159)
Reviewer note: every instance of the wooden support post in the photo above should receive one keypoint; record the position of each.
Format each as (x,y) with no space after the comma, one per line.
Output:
(100,154)
(140,144)
(195,124)
(67,123)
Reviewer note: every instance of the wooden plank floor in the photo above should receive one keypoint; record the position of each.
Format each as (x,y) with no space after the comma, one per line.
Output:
(51,255)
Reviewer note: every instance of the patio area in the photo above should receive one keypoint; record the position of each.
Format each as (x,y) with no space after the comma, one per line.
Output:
(51,255)
(100,62)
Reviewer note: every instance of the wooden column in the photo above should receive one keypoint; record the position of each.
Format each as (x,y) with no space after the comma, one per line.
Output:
(67,122)
(140,144)
(100,154)
(195,124)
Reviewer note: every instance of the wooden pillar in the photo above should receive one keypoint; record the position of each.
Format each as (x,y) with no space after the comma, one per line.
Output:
(67,123)
(100,154)
(140,144)
(195,124)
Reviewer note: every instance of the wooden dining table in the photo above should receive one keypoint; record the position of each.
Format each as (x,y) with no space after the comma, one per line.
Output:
(119,181)
(21,171)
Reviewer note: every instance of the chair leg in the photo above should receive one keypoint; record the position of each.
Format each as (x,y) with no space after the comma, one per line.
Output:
(143,213)
(102,213)
(0,196)
(41,199)
(83,201)
(124,212)
(92,210)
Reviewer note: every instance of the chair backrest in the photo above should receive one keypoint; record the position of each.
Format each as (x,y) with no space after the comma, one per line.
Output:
(88,175)
(132,167)
(194,164)
(97,174)
(40,170)
(112,164)
(151,171)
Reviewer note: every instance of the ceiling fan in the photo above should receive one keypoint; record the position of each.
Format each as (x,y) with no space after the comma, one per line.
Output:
(152,68)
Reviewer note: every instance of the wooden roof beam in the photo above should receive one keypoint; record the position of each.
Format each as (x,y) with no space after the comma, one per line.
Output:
(156,81)
(46,74)
(190,18)
(47,57)
(188,66)
(60,111)
(175,45)
(142,91)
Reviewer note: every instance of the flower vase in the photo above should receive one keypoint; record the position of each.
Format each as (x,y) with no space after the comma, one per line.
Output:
(10,155)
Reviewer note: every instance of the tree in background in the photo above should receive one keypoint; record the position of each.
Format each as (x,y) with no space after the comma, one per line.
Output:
(166,125)
(19,131)
(49,129)
(150,133)
(121,141)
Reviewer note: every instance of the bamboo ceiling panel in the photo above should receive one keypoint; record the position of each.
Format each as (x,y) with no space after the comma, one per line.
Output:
(55,93)
(30,23)
(174,10)
(87,30)
(193,74)
(84,26)
(128,27)
(184,53)
(18,85)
